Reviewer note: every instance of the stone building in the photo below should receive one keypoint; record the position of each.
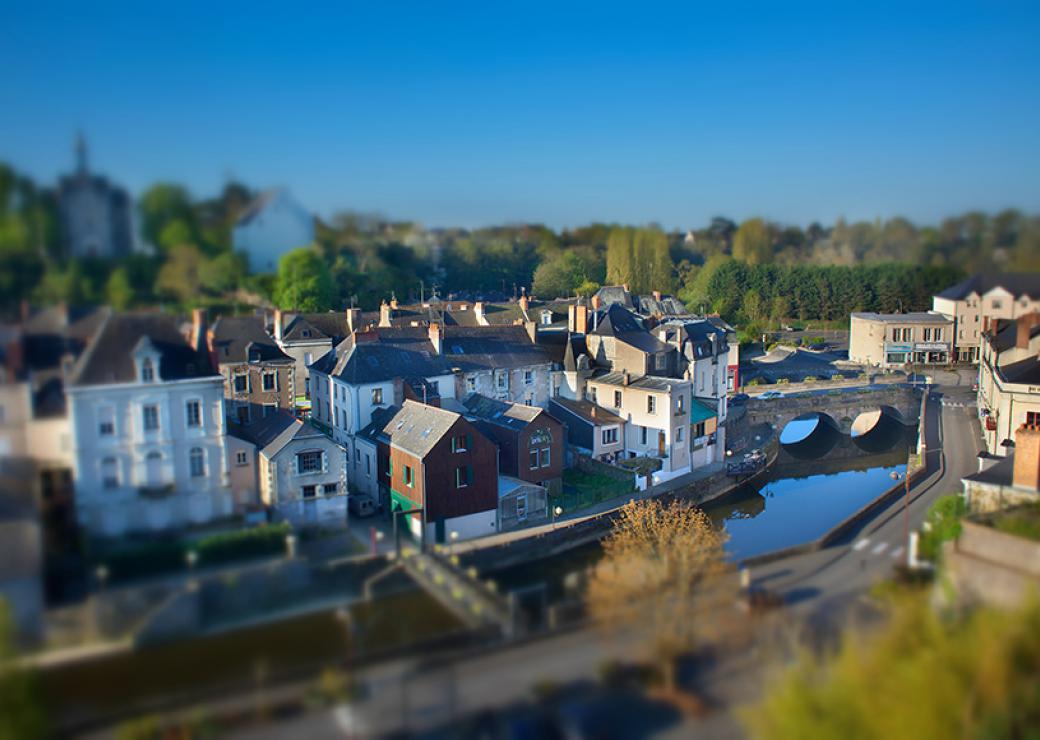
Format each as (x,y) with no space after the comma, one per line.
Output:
(97,218)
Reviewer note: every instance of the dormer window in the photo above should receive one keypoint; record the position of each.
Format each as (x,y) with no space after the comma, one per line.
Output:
(147,370)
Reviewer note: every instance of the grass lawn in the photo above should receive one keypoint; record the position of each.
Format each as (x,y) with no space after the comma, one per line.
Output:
(1021,521)
(582,489)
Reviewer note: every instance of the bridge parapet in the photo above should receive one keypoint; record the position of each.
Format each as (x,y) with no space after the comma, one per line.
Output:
(842,406)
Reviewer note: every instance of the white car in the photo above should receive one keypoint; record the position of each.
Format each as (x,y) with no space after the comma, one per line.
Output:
(771,394)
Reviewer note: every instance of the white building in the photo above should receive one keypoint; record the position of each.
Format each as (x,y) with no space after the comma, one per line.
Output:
(1009,380)
(272,225)
(704,357)
(302,473)
(977,302)
(147,418)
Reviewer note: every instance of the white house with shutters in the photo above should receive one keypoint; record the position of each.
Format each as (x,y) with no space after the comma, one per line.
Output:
(146,412)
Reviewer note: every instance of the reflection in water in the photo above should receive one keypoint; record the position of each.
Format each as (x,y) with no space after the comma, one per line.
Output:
(800,429)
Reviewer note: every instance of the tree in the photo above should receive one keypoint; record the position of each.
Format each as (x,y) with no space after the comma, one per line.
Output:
(753,242)
(619,255)
(663,573)
(559,276)
(923,675)
(119,293)
(161,204)
(179,276)
(222,273)
(303,282)
(22,712)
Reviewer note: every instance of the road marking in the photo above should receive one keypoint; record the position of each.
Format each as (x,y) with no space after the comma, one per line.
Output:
(861,544)
(897,552)
(879,548)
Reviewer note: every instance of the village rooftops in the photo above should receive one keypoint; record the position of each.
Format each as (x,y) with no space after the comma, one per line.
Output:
(306,327)
(1017,284)
(243,339)
(109,358)
(588,411)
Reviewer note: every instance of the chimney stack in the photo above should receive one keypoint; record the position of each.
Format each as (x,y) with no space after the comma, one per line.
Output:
(436,336)
(199,330)
(657,295)
(626,379)
(523,303)
(353,320)
(1023,328)
(577,318)
(596,302)
(278,328)
(393,302)
(384,314)
(625,286)
(1027,458)
(478,311)
(532,330)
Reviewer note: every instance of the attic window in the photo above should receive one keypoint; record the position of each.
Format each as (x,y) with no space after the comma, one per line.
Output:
(306,332)
(147,371)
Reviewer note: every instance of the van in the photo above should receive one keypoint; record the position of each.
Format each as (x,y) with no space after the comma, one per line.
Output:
(361,505)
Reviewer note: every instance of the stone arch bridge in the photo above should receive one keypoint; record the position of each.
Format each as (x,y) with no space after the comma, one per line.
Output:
(843,407)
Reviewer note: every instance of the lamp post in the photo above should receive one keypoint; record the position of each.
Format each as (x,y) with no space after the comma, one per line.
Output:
(557,511)
(454,538)
(101,573)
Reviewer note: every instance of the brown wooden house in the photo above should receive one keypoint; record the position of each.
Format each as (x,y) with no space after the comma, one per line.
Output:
(437,462)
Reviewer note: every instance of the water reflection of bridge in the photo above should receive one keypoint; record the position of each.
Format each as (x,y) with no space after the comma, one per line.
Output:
(845,455)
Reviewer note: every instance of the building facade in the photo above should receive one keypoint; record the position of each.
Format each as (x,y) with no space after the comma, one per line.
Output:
(1009,380)
(273,224)
(981,300)
(259,379)
(901,339)
(97,217)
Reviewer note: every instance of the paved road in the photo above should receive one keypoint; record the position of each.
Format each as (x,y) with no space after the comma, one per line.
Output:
(821,587)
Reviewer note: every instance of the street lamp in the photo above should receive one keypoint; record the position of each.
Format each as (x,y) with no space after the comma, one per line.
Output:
(101,573)
(557,510)
(454,536)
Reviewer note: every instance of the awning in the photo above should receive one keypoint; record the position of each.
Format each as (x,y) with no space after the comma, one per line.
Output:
(701,411)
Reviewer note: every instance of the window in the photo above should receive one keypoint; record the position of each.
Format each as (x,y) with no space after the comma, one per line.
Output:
(377,396)
(698,429)
(197,462)
(242,413)
(151,417)
(529,400)
(409,476)
(502,380)
(528,377)
(193,414)
(997,305)
(521,506)
(545,457)
(110,473)
(241,459)
(309,462)
(938,335)
(927,334)
(357,455)
(617,399)
(680,405)
(368,466)
(678,434)
(309,491)
(463,476)
(330,489)
(642,435)
(461,442)
(593,394)
(106,421)
(270,409)
(651,404)
(471,384)
(1032,418)
(241,383)
(270,381)
(147,371)
(610,436)
(534,458)
(546,318)
(308,358)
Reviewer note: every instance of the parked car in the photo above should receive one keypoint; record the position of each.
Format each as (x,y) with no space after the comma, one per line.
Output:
(739,398)
(771,394)
(361,505)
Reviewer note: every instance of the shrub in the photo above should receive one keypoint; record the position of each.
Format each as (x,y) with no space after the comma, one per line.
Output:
(753,382)
(142,560)
(942,523)
(783,381)
(268,539)
(810,379)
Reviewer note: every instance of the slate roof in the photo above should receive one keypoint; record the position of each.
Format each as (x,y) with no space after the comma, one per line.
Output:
(414,428)
(644,382)
(491,348)
(697,333)
(235,337)
(1026,372)
(53,332)
(514,416)
(1017,283)
(588,411)
(616,319)
(1006,335)
(109,356)
(272,433)
(309,326)
(1001,473)
(915,317)
(667,306)
(615,295)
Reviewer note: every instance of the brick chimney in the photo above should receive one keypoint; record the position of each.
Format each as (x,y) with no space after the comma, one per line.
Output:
(596,302)
(436,336)
(478,311)
(532,330)
(625,286)
(524,303)
(353,319)
(626,379)
(657,295)
(393,303)
(384,314)
(1027,458)
(577,318)
(278,325)
(1023,327)
(199,329)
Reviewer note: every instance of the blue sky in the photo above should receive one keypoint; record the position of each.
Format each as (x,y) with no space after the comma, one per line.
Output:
(562,113)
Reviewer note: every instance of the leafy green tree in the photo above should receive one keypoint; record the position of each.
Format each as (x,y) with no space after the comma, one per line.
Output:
(753,242)
(222,273)
(620,255)
(924,675)
(161,204)
(303,282)
(559,276)
(119,293)
(179,276)
(176,233)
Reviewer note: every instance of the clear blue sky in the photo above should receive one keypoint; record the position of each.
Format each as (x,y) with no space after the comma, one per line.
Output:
(487,112)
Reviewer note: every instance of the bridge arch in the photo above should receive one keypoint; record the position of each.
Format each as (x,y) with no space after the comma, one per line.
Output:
(802,427)
(870,419)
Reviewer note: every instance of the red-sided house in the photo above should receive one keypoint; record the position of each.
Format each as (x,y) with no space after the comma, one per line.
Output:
(437,463)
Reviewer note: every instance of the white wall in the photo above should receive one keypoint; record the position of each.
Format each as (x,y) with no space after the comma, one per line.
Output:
(282,486)
(281,227)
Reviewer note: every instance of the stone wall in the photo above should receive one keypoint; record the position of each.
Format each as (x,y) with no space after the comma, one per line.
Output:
(986,566)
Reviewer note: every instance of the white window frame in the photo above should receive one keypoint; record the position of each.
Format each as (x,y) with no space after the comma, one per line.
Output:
(101,421)
(197,455)
(198,413)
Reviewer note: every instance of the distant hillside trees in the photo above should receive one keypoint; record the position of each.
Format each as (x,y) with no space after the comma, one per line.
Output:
(639,258)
